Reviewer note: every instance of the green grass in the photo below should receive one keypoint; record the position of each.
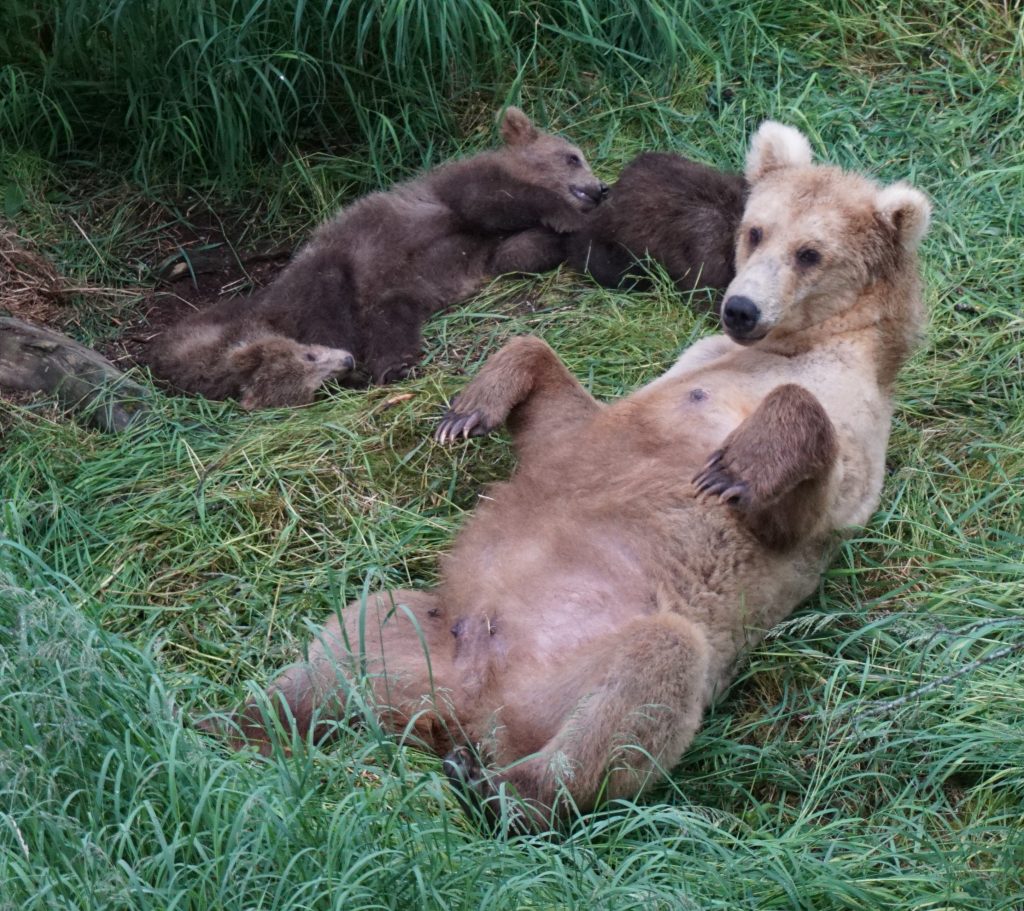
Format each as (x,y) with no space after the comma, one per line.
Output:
(870,755)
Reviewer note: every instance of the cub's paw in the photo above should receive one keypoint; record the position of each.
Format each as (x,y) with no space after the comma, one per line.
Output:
(567,221)
(721,478)
(458,423)
(391,373)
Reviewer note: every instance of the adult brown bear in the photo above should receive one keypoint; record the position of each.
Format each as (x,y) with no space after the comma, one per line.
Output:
(595,603)
(678,213)
(357,295)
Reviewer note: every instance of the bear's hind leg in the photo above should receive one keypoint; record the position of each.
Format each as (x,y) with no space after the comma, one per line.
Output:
(525,384)
(635,701)
(774,468)
(399,643)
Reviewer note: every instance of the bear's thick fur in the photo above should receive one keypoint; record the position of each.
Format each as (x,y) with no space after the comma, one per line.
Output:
(594,604)
(370,277)
(679,213)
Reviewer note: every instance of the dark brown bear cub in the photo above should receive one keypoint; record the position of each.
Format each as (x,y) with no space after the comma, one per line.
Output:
(369,278)
(681,214)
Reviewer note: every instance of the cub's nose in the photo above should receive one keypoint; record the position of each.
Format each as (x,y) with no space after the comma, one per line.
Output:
(604,189)
(589,194)
(740,316)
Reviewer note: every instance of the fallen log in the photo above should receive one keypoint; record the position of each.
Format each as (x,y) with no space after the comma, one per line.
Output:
(33,359)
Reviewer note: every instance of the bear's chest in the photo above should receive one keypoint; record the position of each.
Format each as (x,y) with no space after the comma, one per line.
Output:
(696,414)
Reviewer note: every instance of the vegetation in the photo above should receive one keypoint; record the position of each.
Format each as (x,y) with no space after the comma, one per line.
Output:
(870,755)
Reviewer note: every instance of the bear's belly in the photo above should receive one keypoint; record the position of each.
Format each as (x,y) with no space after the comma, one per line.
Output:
(549,591)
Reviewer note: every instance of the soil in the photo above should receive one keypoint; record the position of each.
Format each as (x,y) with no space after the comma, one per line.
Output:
(193,269)
(31,288)
(202,271)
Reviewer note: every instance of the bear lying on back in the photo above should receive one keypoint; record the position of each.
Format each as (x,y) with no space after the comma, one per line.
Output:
(595,603)
(681,214)
(357,295)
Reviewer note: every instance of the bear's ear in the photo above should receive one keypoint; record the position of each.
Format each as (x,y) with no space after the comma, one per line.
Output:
(516,128)
(776,146)
(907,211)
(246,359)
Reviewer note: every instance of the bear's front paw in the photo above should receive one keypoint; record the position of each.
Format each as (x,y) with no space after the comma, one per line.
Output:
(466,424)
(720,478)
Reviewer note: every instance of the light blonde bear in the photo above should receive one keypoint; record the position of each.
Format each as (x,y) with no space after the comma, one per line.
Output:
(594,604)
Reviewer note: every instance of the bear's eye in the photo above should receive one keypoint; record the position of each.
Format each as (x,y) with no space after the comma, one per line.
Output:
(754,235)
(310,356)
(574,160)
(808,256)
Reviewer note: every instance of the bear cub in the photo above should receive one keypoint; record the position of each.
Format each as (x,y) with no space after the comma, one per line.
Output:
(353,300)
(681,214)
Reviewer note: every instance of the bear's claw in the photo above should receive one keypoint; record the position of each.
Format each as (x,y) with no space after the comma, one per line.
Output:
(466,776)
(716,479)
(476,793)
(455,424)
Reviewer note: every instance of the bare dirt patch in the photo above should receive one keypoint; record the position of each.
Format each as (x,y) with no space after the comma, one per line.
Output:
(31,288)
(202,268)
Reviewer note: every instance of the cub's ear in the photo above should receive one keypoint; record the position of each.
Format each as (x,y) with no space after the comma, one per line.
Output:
(516,128)
(775,146)
(246,359)
(907,211)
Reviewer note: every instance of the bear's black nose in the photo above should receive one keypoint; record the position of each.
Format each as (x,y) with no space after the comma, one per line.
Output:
(604,189)
(740,316)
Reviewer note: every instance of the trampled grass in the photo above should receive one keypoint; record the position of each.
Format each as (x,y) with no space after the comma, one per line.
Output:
(871,754)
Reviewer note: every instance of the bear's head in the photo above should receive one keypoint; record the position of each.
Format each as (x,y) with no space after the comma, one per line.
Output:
(275,370)
(550,162)
(814,238)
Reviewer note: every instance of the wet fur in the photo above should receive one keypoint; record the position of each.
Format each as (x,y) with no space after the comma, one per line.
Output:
(370,277)
(679,213)
(594,604)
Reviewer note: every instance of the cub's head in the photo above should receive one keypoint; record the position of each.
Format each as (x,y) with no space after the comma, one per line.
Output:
(276,371)
(813,238)
(550,162)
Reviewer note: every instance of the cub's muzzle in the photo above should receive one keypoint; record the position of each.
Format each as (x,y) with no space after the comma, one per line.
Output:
(589,194)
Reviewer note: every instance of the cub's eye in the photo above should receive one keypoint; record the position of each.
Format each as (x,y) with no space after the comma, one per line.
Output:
(808,256)
(754,235)
(574,160)
(310,356)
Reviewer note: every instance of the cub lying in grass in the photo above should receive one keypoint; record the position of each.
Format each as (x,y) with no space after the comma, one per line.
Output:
(595,603)
(681,214)
(357,295)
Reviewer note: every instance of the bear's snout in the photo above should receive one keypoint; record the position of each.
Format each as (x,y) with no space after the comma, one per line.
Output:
(589,194)
(740,316)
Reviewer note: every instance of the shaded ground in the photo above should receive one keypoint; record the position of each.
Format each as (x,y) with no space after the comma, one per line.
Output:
(31,288)
(203,269)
